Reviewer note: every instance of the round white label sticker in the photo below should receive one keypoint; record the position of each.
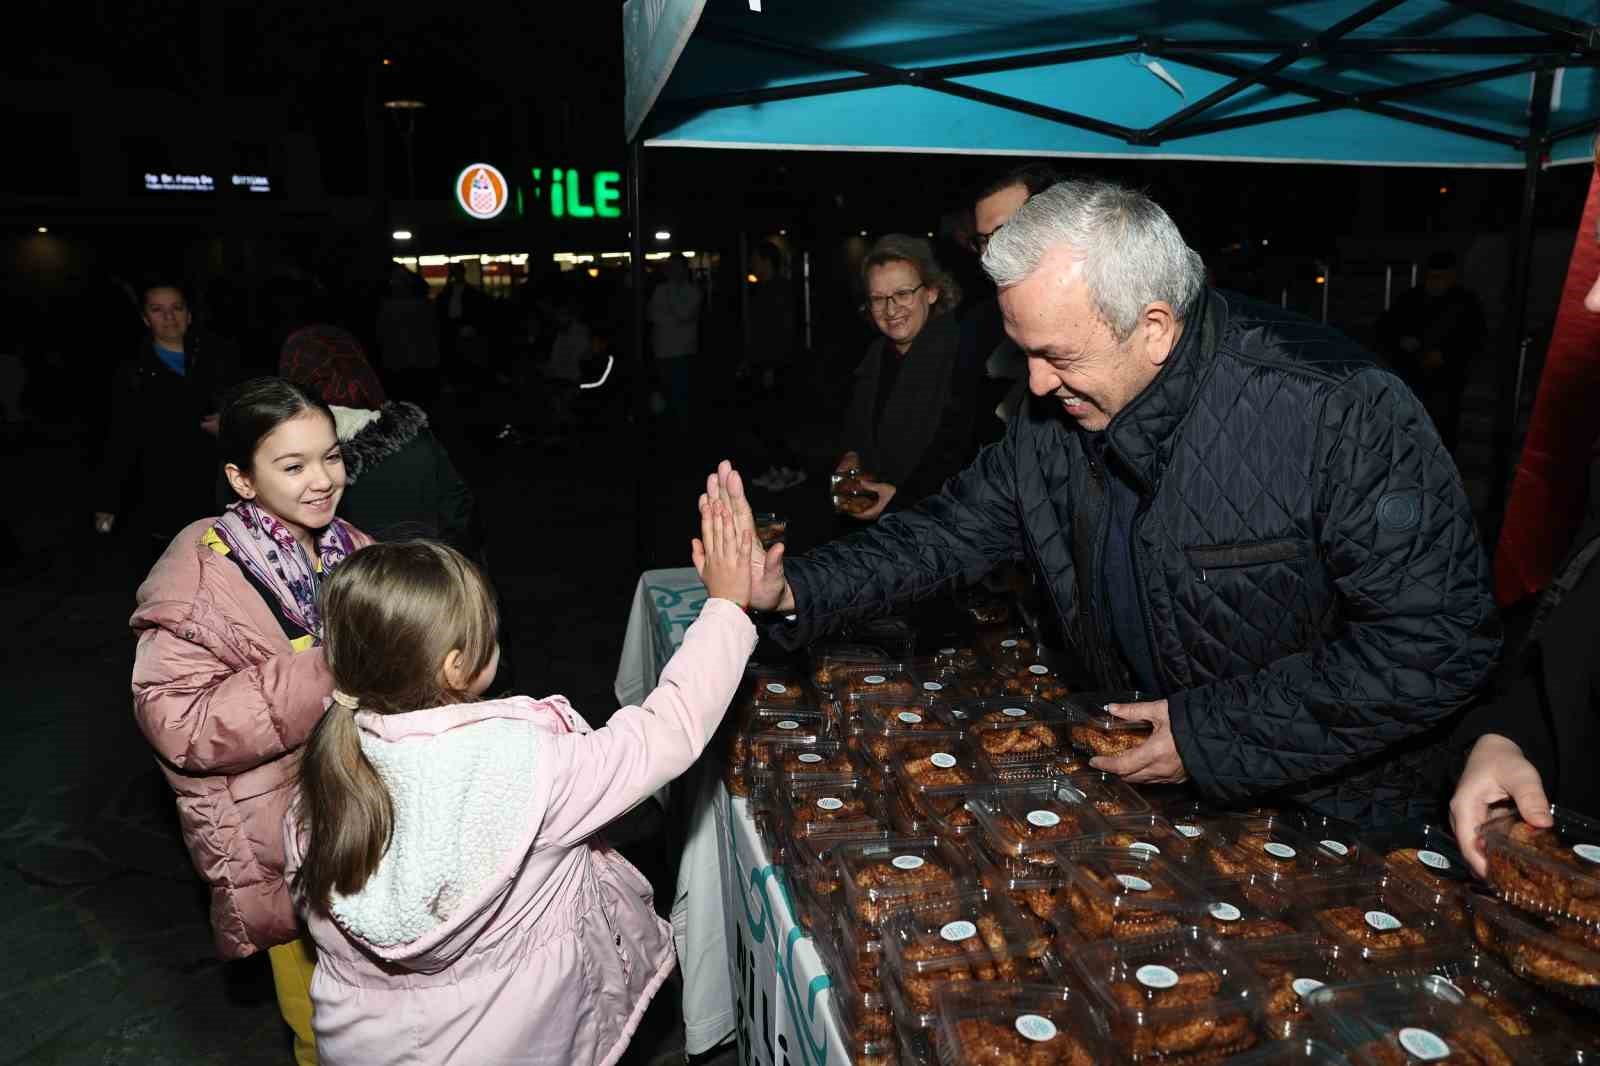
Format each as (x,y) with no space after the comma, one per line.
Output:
(1433,859)
(932,686)
(1383,921)
(1421,1044)
(959,931)
(1335,847)
(1156,976)
(1044,819)
(1015,712)
(1148,848)
(830,803)
(809,757)
(1304,986)
(909,717)
(1225,912)
(947,651)
(1442,979)
(1277,850)
(1190,831)
(1036,1028)
(1132,883)
(1587,852)
(1009,642)
(874,679)
(906,862)
(777,689)
(942,760)
(788,723)
(1038,668)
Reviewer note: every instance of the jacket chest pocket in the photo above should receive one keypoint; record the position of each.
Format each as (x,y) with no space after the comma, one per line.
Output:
(1250,603)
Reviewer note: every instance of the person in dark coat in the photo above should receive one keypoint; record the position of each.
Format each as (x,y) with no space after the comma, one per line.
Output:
(1534,739)
(909,371)
(159,467)
(399,481)
(1229,507)
(1432,335)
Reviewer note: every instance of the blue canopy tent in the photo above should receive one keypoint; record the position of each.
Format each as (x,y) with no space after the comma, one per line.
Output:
(1438,83)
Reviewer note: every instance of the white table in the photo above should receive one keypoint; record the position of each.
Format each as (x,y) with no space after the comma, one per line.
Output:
(749,970)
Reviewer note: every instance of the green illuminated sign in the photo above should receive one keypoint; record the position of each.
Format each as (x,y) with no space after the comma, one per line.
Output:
(567,190)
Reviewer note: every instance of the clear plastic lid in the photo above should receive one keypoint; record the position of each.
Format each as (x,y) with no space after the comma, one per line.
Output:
(1306,1051)
(1553,871)
(885,679)
(959,658)
(1378,916)
(830,809)
(1031,889)
(1250,908)
(775,740)
(1340,836)
(888,722)
(1290,968)
(1240,847)
(806,763)
(1030,825)
(1032,679)
(942,806)
(1095,731)
(828,658)
(813,875)
(986,940)
(1003,645)
(774,686)
(1556,958)
(965,713)
(860,1003)
(1180,996)
(1016,737)
(982,1022)
(1107,793)
(1409,1020)
(1144,832)
(1119,893)
(918,872)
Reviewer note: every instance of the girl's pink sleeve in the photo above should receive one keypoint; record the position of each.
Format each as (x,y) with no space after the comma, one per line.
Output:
(597,777)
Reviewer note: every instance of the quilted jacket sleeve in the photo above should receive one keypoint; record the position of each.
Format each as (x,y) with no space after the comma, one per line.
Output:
(1420,634)
(600,776)
(972,524)
(204,718)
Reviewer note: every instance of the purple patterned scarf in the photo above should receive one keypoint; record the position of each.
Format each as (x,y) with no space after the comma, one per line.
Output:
(265,547)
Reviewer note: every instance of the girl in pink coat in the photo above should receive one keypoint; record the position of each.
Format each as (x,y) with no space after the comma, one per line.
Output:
(443,850)
(228,680)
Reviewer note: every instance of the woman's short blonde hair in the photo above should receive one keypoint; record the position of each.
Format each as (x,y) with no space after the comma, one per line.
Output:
(904,248)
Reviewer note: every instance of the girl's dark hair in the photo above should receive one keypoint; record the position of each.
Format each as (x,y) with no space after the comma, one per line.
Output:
(255,408)
(150,285)
(391,613)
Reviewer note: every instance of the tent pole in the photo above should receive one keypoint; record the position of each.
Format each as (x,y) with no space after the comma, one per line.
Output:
(1516,316)
(639,403)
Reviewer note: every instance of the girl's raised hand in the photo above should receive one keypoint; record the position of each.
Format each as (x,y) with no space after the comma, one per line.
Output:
(725,549)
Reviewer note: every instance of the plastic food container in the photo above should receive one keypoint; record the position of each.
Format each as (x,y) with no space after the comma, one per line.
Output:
(1290,969)
(1094,731)
(775,765)
(1251,908)
(830,657)
(769,739)
(1535,950)
(1033,679)
(1119,894)
(1176,997)
(1143,832)
(938,784)
(941,681)
(773,686)
(993,1023)
(1518,1007)
(914,1032)
(888,723)
(1241,847)
(1428,861)
(1343,838)
(890,680)
(1107,793)
(923,873)
(1031,890)
(1552,871)
(830,809)
(1377,916)
(986,940)
(861,951)
(813,873)
(1408,1020)
(863,1012)
(1025,829)
(962,660)
(1306,1052)
(1016,738)
(894,635)
(1005,647)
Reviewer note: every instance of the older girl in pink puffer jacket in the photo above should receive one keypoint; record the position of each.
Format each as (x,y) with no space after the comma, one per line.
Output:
(444,849)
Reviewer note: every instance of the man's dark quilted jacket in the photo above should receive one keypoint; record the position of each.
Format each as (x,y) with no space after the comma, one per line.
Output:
(1312,583)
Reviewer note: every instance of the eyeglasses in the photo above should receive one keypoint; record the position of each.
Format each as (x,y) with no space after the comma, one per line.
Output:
(980,241)
(900,298)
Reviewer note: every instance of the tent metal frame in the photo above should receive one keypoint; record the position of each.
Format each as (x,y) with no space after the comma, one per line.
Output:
(1556,41)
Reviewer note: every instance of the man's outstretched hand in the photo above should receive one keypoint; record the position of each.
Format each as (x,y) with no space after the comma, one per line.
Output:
(768,590)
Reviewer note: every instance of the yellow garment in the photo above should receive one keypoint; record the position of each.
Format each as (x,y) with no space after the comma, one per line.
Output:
(211,540)
(292,966)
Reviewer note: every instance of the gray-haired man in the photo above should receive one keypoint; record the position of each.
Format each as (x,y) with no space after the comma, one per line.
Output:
(1231,507)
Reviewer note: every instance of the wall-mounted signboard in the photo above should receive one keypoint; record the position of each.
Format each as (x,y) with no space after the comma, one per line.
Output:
(483,192)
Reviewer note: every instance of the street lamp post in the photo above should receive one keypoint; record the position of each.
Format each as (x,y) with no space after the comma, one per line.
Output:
(405,117)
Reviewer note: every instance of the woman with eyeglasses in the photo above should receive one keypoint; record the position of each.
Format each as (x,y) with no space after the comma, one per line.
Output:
(908,427)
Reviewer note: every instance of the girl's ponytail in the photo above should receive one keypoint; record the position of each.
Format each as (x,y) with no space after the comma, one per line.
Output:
(345,809)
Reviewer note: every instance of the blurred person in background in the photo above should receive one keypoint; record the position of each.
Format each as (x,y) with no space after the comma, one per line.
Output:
(908,427)
(674,314)
(159,469)
(767,360)
(1432,335)
(408,339)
